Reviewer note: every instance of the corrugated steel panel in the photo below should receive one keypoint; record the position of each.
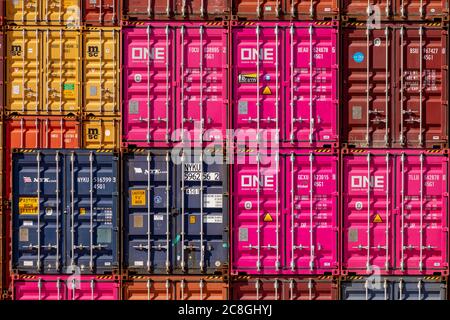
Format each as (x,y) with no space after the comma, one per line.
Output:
(101,133)
(101,12)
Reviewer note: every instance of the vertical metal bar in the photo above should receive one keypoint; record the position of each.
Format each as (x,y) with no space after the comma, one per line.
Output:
(291,64)
(419,290)
(149,284)
(275,287)
(420,86)
(149,12)
(402,45)
(47,133)
(182,83)
(258,204)
(311,118)
(47,72)
(58,288)
(421,213)
(100,12)
(291,289)
(366,287)
(100,57)
(293,246)
(60,15)
(201,285)
(91,205)
(276,87)
(167,214)
(257,284)
(402,232)
(385,287)
(36,123)
(310,287)
(23,67)
(201,85)
(400,287)
(167,83)
(386,97)
(72,211)
(368,212)
(114,93)
(39,289)
(148,83)
(92,285)
(61,127)
(60,69)
(149,248)
(73,288)
(311,220)
(387,213)
(38,192)
(167,289)
(182,211)
(182,286)
(202,246)
(311,8)
(277,209)
(57,212)
(367,86)
(258,102)
(22,133)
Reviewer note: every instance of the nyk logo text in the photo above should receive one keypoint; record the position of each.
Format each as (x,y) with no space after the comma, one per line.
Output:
(252,181)
(146,54)
(363,182)
(251,54)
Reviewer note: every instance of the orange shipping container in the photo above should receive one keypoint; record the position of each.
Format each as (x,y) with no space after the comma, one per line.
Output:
(43,71)
(101,133)
(101,76)
(174,288)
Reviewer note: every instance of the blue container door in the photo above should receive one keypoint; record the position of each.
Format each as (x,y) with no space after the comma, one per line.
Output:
(202,223)
(37,212)
(367,289)
(91,204)
(148,212)
(418,289)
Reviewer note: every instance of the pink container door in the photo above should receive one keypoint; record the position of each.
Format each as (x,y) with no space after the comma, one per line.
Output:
(202,91)
(311,213)
(89,288)
(368,212)
(421,232)
(149,84)
(40,288)
(257,66)
(257,206)
(312,104)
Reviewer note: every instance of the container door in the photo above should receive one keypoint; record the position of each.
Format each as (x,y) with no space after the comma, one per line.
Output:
(421,10)
(368,213)
(92,190)
(367,289)
(258,289)
(258,98)
(367,83)
(3,51)
(40,289)
(150,289)
(38,212)
(60,133)
(148,225)
(312,9)
(257,220)
(421,225)
(311,114)
(23,71)
(202,67)
(144,9)
(422,76)
(61,69)
(257,9)
(101,11)
(23,133)
(201,290)
(309,289)
(149,105)
(67,12)
(197,9)
(92,289)
(23,11)
(360,9)
(312,213)
(419,289)
(101,76)
(202,226)
(101,133)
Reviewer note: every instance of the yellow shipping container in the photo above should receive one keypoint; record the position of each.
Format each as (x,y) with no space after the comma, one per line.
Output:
(101,133)
(101,76)
(45,12)
(43,71)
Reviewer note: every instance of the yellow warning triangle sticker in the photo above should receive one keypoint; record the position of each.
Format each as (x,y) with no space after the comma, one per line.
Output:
(268,218)
(267,90)
(377,219)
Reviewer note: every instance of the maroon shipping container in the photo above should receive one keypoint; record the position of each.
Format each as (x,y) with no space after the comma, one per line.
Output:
(395,212)
(101,12)
(395,86)
(133,10)
(2,68)
(285,9)
(416,10)
(286,288)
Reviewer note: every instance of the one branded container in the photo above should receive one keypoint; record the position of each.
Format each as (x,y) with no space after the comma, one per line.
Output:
(395,85)
(284,80)
(175,83)
(393,288)
(57,287)
(101,12)
(285,212)
(284,288)
(175,288)
(395,212)
(64,211)
(175,212)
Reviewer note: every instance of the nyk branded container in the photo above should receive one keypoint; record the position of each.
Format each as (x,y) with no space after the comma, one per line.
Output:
(101,71)
(393,288)
(395,85)
(285,212)
(101,133)
(138,10)
(26,12)
(43,71)
(64,211)
(60,287)
(285,288)
(374,11)
(175,288)
(287,92)
(395,212)
(285,9)
(101,12)
(175,83)
(175,211)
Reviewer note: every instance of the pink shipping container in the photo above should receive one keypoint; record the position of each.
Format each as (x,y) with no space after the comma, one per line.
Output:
(284,80)
(285,212)
(175,81)
(43,287)
(396,224)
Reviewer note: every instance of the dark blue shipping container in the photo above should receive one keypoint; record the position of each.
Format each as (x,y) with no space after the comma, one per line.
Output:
(65,207)
(394,288)
(176,212)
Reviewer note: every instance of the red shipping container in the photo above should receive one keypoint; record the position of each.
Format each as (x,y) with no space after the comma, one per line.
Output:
(60,287)
(101,12)
(282,95)
(395,212)
(395,86)
(170,94)
(286,288)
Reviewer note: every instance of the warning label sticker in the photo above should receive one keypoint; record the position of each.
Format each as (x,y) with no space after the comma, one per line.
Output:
(377,219)
(212,201)
(247,78)
(28,205)
(268,218)
(138,198)
(69,90)
(267,91)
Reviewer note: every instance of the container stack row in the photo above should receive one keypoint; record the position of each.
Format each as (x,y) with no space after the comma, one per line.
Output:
(227,150)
